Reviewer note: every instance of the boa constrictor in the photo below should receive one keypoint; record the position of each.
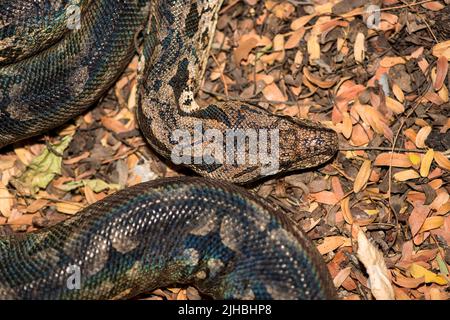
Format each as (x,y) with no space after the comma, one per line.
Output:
(200,231)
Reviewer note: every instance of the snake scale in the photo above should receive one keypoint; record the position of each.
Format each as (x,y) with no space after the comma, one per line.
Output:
(207,232)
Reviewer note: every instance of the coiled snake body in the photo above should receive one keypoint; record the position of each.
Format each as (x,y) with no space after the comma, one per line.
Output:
(187,230)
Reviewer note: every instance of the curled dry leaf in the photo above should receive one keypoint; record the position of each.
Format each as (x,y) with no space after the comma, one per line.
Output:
(388,62)
(417,218)
(441,74)
(363,176)
(405,282)
(294,39)
(332,243)
(432,223)
(442,49)
(317,81)
(341,276)
(398,92)
(393,159)
(244,49)
(68,208)
(373,261)
(313,47)
(6,201)
(442,160)
(325,197)
(272,92)
(359,47)
(301,22)
(417,271)
(394,105)
(345,207)
(426,163)
(406,175)
(347,126)
(433,5)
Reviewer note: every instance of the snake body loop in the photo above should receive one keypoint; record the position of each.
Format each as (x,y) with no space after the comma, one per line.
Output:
(211,234)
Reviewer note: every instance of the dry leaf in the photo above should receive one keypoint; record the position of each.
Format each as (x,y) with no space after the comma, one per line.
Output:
(68,208)
(6,201)
(363,176)
(313,47)
(359,47)
(432,223)
(442,160)
(426,163)
(332,243)
(394,105)
(394,159)
(442,49)
(441,74)
(406,175)
(345,207)
(417,271)
(417,218)
(373,261)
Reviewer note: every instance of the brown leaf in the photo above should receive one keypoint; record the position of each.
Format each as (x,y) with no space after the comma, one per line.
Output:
(363,176)
(426,163)
(6,201)
(244,49)
(417,218)
(442,160)
(317,81)
(441,73)
(395,159)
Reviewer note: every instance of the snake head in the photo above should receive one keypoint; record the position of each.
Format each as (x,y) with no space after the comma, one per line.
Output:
(305,144)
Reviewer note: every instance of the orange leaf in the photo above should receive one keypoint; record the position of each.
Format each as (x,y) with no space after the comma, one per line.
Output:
(345,207)
(426,163)
(273,93)
(331,243)
(6,201)
(422,136)
(363,176)
(394,159)
(244,49)
(406,175)
(432,223)
(317,81)
(442,160)
(441,74)
(442,49)
(417,218)
(325,197)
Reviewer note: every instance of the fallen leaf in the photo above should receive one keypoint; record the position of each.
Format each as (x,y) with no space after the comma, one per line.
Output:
(441,74)
(426,163)
(373,261)
(359,47)
(394,159)
(363,176)
(406,175)
(417,271)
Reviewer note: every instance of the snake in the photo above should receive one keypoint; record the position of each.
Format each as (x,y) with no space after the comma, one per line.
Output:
(57,59)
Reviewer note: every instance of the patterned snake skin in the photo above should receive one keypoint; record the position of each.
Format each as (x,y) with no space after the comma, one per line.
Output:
(197,231)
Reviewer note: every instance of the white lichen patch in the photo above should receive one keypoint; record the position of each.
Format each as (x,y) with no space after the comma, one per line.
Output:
(232,233)
(191,256)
